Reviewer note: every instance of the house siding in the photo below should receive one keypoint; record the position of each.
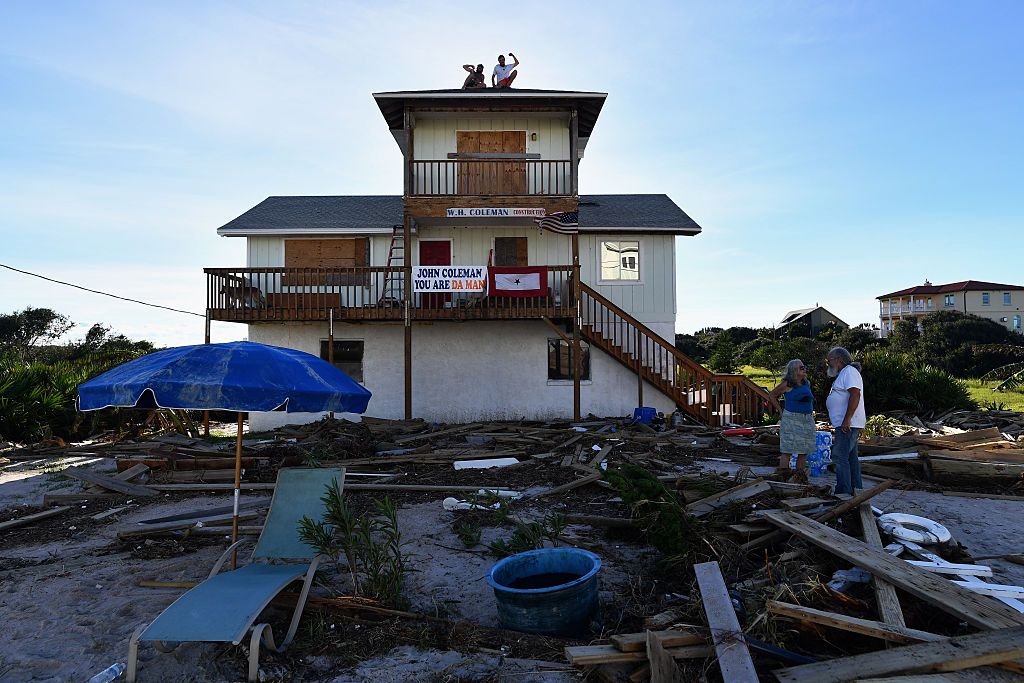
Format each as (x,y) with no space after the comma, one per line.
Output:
(462,373)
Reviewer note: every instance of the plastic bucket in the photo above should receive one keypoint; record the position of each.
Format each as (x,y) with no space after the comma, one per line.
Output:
(563,608)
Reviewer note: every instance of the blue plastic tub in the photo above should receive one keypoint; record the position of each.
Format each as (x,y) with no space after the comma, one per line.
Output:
(564,608)
(644,415)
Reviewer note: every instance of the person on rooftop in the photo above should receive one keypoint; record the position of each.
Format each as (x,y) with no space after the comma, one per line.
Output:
(475,79)
(504,74)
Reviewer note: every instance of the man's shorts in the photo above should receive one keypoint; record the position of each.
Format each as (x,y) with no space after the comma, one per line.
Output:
(504,83)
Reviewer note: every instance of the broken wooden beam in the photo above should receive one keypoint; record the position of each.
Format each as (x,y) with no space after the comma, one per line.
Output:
(885,593)
(733,656)
(949,654)
(592,655)
(960,602)
(722,498)
(29,519)
(108,483)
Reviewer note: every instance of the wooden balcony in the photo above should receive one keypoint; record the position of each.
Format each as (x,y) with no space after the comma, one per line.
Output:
(252,295)
(491,177)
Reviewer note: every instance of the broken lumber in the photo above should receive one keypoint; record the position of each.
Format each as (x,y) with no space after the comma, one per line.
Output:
(29,519)
(589,479)
(837,511)
(108,483)
(867,627)
(52,498)
(637,642)
(722,498)
(950,654)
(885,593)
(958,601)
(733,657)
(663,667)
(148,529)
(592,655)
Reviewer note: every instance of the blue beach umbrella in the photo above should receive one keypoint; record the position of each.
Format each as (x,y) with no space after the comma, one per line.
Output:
(236,376)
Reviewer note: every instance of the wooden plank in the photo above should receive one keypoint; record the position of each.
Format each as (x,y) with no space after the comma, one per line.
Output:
(570,486)
(733,657)
(147,529)
(885,593)
(592,655)
(876,629)
(412,488)
(663,667)
(637,642)
(969,468)
(951,568)
(111,512)
(722,498)
(52,498)
(951,654)
(953,599)
(1003,455)
(994,589)
(29,519)
(890,456)
(108,483)
(837,511)
(804,503)
(969,494)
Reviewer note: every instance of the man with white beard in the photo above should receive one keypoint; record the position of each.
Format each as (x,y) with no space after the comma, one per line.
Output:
(845,405)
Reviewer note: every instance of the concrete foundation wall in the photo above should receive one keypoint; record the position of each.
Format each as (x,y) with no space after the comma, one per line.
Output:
(464,372)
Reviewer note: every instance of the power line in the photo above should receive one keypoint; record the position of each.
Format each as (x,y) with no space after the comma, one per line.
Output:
(96,291)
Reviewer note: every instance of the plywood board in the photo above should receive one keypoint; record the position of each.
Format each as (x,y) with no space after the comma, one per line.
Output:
(733,656)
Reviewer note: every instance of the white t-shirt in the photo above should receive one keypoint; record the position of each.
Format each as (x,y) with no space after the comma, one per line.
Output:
(502,72)
(838,400)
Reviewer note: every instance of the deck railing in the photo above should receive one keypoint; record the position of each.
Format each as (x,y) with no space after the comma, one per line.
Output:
(368,293)
(510,177)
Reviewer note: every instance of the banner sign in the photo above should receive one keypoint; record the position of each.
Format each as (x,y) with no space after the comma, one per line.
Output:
(449,278)
(525,281)
(495,212)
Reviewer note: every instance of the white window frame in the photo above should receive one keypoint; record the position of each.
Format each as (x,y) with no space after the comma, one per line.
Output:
(949,301)
(986,299)
(640,254)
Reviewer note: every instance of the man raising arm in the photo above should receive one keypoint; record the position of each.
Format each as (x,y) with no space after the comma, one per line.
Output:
(503,74)
(475,79)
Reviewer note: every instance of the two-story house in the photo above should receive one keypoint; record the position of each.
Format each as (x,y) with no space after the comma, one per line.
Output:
(1002,303)
(452,302)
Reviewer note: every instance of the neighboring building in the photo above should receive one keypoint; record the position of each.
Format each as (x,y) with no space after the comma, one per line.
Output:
(494,337)
(814,318)
(1001,303)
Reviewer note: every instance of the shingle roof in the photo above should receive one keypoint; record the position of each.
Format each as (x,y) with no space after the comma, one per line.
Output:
(963,286)
(377,213)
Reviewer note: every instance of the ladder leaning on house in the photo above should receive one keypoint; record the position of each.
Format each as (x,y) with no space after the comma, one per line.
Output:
(713,398)
(393,291)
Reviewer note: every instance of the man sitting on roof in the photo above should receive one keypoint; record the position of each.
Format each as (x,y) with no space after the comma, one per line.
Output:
(475,79)
(503,74)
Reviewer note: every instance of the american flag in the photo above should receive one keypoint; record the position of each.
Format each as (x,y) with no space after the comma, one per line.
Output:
(564,222)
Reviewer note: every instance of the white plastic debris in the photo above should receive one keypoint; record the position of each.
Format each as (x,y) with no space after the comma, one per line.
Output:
(451,504)
(485,464)
(913,528)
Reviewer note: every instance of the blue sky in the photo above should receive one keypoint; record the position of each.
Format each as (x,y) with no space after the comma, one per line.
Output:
(831,151)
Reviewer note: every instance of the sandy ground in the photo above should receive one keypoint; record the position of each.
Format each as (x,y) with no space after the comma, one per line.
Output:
(70,614)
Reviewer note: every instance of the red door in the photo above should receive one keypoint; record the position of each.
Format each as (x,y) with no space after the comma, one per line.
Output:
(435,253)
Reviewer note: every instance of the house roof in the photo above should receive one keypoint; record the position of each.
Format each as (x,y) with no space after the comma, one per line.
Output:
(793,316)
(963,286)
(378,213)
(588,104)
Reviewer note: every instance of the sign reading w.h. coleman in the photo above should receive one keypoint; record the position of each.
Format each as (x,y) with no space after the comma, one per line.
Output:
(496,212)
(449,278)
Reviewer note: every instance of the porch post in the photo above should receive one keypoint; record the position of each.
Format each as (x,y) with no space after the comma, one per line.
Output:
(330,341)
(577,363)
(407,297)
(206,413)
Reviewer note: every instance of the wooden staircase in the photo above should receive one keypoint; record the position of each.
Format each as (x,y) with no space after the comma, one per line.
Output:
(714,399)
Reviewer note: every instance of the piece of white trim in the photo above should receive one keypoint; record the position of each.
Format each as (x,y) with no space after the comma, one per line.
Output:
(950,568)
(994,589)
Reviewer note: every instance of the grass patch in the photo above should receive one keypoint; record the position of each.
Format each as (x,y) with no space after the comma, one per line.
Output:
(766,378)
(1011,400)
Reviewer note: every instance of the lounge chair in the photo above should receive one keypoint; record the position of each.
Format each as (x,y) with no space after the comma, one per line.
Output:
(224,607)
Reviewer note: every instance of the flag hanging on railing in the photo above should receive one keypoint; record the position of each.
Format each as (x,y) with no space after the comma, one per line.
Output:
(517,281)
(563,222)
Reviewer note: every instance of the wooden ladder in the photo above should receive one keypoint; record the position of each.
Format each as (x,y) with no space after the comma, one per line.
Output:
(714,399)
(392,294)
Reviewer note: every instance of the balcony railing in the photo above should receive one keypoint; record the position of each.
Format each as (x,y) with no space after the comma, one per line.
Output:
(512,177)
(371,293)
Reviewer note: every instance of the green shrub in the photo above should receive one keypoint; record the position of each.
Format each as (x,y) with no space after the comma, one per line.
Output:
(895,381)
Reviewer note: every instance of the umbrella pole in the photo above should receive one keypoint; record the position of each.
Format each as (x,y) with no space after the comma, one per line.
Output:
(238,486)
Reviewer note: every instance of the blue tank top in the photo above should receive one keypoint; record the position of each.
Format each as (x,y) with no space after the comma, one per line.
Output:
(799,399)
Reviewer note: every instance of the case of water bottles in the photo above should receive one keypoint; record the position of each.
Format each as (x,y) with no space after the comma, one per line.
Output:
(821,457)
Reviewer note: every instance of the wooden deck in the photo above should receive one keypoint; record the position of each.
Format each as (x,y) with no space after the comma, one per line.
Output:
(374,294)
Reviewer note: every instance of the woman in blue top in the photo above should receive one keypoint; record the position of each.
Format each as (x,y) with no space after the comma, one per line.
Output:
(796,426)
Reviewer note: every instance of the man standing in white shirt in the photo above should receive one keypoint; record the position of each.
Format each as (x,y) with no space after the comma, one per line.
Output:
(503,74)
(845,405)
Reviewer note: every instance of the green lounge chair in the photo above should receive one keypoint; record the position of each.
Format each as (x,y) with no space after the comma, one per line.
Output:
(222,608)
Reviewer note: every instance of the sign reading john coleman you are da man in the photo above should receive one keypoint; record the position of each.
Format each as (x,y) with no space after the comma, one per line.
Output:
(449,278)
(495,212)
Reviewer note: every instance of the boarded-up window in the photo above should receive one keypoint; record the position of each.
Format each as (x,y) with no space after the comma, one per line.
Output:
(348,356)
(560,360)
(333,256)
(510,251)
